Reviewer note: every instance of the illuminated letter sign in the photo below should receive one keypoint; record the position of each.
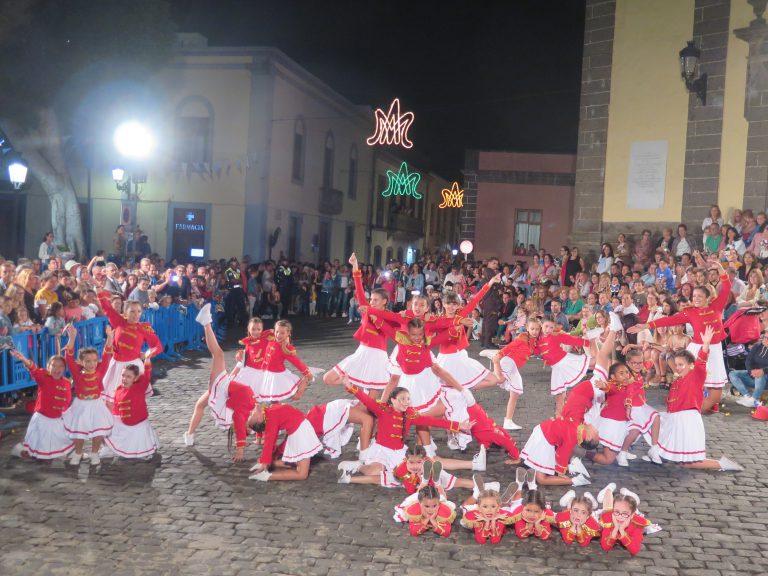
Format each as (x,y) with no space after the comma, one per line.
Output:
(392,127)
(453,198)
(403,183)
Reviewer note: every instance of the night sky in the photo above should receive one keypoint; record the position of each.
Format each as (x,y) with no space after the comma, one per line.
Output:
(491,74)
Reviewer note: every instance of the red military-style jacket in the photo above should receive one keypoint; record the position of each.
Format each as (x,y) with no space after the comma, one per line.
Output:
(580,400)
(277,354)
(444,520)
(255,348)
(564,434)
(278,417)
(590,529)
(633,539)
(474,520)
(520,349)
(687,393)
(459,340)
(54,395)
(550,346)
(700,318)
(392,427)
(88,386)
(131,403)
(369,333)
(241,401)
(524,531)
(129,338)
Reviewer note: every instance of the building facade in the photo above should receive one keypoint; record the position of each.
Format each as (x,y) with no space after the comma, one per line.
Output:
(513,198)
(651,154)
(255,156)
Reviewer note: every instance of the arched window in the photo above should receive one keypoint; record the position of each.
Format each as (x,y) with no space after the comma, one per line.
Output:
(377,255)
(389,255)
(352,187)
(400,254)
(193,132)
(299,143)
(330,146)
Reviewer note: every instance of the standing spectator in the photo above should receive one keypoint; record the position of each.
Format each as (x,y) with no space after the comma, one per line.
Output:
(682,244)
(47,250)
(111,282)
(491,305)
(606,259)
(7,272)
(430,275)
(284,283)
(119,246)
(234,304)
(643,249)
(715,217)
(141,292)
(27,281)
(572,265)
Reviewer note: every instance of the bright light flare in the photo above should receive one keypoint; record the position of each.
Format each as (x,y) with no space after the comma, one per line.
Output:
(134,140)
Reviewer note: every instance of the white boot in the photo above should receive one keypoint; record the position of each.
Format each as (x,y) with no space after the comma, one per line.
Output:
(567,498)
(509,424)
(653,454)
(627,492)
(204,316)
(479,460)
(621,459)
(580,480)
(728,465)
(609,488)
(349,466)
(262,476)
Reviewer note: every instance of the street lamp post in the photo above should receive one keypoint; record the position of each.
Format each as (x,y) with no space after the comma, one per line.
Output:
(135,143)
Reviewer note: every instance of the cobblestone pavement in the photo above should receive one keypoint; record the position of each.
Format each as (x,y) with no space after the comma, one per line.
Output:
(192,511)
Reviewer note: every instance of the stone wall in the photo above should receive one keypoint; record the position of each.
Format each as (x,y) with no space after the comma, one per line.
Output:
(593,124)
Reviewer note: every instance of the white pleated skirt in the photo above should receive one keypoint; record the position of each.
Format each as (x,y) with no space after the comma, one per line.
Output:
(716,373)
(87,419)
(568,372)
(682,437)
(367,368)
(217,401)
(424,387)
(114,374)
(612,432)
(46,438)
(336,431)
(278,386)
(467,371)
(138,441)
(642,418)
(302,444)
(513,382)
(252,377)
(538,453)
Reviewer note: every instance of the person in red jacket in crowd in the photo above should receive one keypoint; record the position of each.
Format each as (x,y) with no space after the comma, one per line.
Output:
(682,438)
(567,368)
(703,314)
(507,363)
(132,435)
(429,514)
(88,417)
(130,337)
(576,523)
(46,438)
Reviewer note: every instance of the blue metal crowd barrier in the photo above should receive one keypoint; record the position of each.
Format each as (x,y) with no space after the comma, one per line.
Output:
(174,325)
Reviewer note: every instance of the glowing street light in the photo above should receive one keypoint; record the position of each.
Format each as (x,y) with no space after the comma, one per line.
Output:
(134,140)
(17,172)
(118,174)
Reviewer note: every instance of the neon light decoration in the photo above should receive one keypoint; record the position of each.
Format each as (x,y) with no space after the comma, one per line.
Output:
(403,183)
(453,198)
(392,127)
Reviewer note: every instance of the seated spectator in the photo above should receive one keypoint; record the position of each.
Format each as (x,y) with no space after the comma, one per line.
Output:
(754,376)
(714,217)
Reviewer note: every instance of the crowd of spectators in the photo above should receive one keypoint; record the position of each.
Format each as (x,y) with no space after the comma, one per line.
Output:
(638,281)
